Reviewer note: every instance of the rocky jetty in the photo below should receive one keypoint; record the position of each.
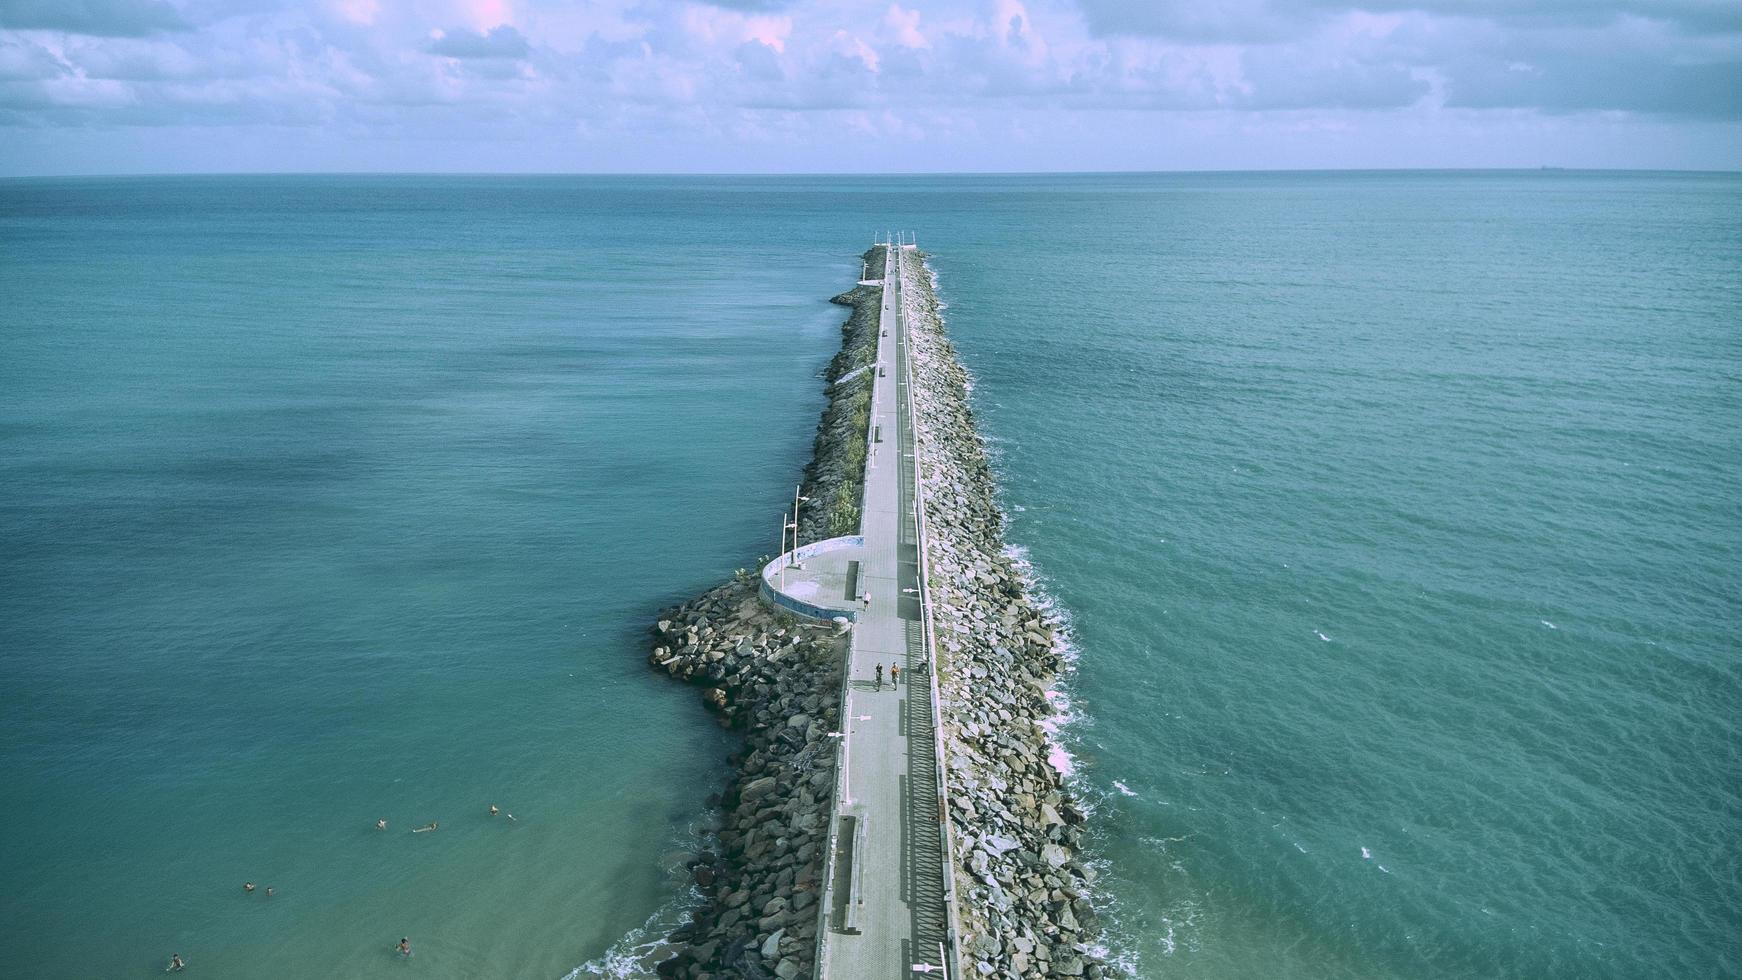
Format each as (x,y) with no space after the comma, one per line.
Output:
(1022,885)
(1024,909)
(777,680)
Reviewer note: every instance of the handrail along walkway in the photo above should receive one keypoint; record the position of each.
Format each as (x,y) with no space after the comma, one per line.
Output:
(930,639)
(919,802)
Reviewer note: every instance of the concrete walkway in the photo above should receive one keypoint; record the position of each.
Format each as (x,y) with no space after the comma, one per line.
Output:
(887,891)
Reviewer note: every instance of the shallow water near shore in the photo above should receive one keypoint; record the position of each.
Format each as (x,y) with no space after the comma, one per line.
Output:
(1395,517)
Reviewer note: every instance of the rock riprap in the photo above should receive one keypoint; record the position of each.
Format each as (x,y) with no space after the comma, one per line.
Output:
(775,679)
(1022,885)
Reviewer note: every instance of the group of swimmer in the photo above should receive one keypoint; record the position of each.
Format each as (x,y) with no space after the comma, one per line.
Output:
(426,828)
(177,964)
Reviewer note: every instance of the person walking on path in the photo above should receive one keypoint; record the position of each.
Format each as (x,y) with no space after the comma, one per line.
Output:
(895,676)
(879,677)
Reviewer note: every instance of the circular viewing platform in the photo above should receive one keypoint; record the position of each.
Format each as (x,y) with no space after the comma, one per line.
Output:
(818,581)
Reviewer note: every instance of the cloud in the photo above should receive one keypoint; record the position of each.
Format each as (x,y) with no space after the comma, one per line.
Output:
(904,24)
(1291,79)
(1230,21)
(759,61)
(102,18)
(500,42)
(1037,77)
(25,61)
(357,11)
(753,6)
(1669,57)
(1692,16)
(1257,21)
(1625,83)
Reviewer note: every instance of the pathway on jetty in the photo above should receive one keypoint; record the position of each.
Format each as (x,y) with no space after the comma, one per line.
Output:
(888,906)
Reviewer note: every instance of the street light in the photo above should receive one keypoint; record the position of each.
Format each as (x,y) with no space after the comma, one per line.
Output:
(797,498)
(786,526)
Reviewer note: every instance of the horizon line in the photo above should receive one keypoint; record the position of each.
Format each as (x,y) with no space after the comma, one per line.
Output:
(1549,168)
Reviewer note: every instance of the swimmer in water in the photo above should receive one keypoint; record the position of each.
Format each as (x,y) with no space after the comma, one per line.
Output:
(380,825)
(175,964)
(422,830)
(494,810)
(247,886)
(404,946)
(269,892)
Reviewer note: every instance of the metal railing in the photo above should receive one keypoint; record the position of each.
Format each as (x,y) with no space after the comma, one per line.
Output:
(953,964)
(826,900)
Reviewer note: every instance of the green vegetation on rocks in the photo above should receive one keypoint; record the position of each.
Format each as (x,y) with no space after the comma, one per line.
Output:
(777,680)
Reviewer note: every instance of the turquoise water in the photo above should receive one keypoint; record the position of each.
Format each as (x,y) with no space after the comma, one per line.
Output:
(1396,515)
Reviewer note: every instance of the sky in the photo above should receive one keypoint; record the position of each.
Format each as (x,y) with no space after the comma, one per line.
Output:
(796,86)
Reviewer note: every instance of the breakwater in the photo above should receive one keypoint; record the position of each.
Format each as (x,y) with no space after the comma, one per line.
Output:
(779,679)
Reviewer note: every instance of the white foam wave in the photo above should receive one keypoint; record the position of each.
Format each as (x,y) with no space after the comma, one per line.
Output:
(1064,727)
(642,948)
(1548,624)
(1123,789)
(638,951)
(1060,760)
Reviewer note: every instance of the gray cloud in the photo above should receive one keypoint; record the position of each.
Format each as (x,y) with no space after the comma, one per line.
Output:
(102,18)
(1575,84)
(1257,21)
(1693,16)
(500,42)
(758,61)
(1235,21)
(22,61)
(1288,81)
(1663,57)
(749,6)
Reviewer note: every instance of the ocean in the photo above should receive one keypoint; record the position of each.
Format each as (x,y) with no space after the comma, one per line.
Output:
(1396,518)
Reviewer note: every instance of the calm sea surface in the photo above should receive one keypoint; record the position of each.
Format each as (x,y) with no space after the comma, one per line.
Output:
(1398,518)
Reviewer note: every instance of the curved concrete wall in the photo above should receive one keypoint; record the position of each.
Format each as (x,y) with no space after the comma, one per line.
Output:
(775,597)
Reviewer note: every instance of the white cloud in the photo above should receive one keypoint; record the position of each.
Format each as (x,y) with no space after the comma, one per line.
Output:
(357,11)
(904,25)
(800,73)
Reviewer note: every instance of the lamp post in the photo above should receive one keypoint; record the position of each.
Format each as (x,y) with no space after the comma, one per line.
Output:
(797,498)
(780,556)
(786,526)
